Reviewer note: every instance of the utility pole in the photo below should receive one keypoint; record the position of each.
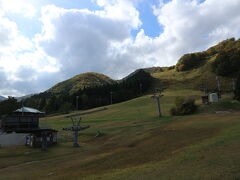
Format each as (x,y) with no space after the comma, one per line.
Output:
(111,97)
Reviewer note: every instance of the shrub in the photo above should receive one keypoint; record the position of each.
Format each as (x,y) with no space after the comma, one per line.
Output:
(183,106)
(190,61)
(227,63)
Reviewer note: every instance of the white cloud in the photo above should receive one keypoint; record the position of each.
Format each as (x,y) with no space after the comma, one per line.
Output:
(196,26)
(81,40)
(123,10)
(22,7)
(189,26)
(22,62)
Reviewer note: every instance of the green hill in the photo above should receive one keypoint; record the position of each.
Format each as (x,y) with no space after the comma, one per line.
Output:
(188,74)
(81,81)
(191,71)
(195,60)
(194,70)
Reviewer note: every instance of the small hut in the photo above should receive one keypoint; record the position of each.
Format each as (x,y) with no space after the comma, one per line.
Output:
(26,121)
(213,97)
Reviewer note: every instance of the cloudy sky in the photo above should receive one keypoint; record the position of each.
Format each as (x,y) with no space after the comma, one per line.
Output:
(43,42)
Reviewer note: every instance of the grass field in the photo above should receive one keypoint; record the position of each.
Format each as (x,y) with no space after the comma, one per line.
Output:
(135,144)
(193,79)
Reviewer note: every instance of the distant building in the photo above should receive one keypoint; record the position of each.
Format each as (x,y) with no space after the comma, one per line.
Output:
(25,122)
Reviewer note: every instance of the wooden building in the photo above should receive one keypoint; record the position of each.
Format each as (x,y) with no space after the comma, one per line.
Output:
(26,121)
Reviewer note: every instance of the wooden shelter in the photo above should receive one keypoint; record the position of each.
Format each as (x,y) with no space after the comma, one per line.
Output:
(26,120)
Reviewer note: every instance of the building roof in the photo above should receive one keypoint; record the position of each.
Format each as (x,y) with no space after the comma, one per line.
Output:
(29,110)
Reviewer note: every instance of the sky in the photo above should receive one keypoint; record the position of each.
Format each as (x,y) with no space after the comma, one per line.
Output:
(43,42)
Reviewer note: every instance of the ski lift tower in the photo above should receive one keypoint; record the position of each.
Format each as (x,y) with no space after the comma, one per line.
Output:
(75,129)
(157,95)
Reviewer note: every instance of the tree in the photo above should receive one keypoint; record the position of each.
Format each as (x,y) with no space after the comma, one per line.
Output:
(190,61)
(227,63)
(8,106)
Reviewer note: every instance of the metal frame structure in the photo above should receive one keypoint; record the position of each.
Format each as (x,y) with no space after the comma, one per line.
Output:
(75,129)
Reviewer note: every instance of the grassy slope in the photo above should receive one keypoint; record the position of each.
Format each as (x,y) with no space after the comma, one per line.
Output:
(136,145)
(192,79)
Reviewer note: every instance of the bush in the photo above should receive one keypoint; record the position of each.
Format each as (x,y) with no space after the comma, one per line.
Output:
(227,63)
(190,61)
(183,106)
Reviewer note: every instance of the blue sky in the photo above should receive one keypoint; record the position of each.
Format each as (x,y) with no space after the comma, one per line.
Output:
(44,42)
(150,25)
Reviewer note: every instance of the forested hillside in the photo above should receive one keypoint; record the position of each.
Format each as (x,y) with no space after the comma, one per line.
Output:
(63,100)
